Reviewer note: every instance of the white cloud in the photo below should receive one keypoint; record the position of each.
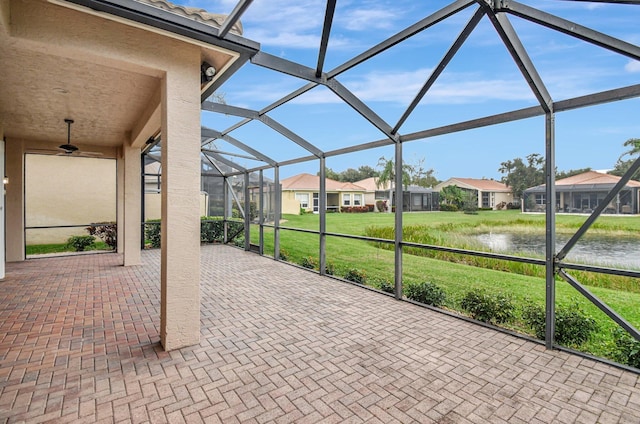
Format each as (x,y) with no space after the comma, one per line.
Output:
(402,87)
(632,66)
(366,19)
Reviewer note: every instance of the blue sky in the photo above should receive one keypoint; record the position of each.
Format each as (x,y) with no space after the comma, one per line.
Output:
(481,80)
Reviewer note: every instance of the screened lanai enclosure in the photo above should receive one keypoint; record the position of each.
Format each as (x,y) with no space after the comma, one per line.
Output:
(247,150)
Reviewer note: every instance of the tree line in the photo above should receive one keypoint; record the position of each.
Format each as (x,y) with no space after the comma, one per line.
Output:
(518,174)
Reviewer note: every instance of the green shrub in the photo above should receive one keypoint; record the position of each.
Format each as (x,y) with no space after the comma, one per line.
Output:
(238,241)
(106,231)
(211,230)
(283,255)
(309,262)
(79,243)
(385,286)
(152,232)
(572,327)
(445,207)
(425,292)
(487,307)
(329,268)
(627,349)
(356,275)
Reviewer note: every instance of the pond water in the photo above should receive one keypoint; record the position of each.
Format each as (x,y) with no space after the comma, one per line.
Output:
(619,252)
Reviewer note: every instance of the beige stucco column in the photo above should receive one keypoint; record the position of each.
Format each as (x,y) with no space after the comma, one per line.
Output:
(131,164)
(180,266)
(120,200)
(14,157)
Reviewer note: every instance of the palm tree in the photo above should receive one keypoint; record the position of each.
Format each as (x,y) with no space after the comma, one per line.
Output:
(386,175)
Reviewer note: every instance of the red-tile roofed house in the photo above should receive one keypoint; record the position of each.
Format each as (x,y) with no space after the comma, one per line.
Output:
(490,193)
(582,193)
(302,191)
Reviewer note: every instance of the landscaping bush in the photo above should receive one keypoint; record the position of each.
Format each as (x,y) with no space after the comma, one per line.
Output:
(425,292)
(354,209)
(444,207)
(211,229)
(106,231)
(386,286)
(355,275)
(283,255)
(487,307)
(329,268)
(80,243)
(573,326)
(152,232)
(627,349)
(309,262)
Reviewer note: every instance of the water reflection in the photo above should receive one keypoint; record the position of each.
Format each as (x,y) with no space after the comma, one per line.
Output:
(593,250)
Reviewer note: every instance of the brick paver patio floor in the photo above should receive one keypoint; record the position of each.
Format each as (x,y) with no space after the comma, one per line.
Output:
(79,343)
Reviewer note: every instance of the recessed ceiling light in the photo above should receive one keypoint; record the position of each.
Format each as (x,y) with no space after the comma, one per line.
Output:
(59,90)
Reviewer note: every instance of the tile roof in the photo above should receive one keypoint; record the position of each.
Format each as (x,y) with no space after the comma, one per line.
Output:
(593,177)
(370,184)
(194,13)
(312,182)
(481,184)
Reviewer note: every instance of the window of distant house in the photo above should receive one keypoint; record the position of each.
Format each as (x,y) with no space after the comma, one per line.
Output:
(357,199)
(540,199)
(346,199)
(303,198)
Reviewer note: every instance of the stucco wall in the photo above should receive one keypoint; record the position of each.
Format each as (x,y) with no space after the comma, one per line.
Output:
(291,205)
(153,202)
(64,191)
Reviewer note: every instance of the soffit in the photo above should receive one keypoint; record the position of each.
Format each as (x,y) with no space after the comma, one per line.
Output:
(40,87)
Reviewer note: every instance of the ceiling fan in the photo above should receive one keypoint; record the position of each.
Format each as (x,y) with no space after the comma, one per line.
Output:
(68,148)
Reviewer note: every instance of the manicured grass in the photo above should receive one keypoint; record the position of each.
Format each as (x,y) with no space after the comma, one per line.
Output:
(457,278)
(40,249)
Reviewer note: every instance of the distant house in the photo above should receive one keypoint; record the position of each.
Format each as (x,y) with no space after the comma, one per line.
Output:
(490,193)
(582,193)
(414,198)
(302,191)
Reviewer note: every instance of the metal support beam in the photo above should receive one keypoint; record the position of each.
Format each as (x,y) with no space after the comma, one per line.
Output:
(550,248)
(285,66)
(515,115)
(601,305)
(224,160)
(516,49)
(275,125)
(425,23)
(233,17)
(570,28)
(473,22)
(261,213)
(357,104)
(230,110)
(322,205)
(398,222)
(252,114)
(247,213)
(326,30)
(276,218)
(598,210)
(206,132)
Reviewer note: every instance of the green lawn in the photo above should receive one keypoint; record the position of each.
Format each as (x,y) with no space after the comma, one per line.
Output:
(458,278)
(40,249)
